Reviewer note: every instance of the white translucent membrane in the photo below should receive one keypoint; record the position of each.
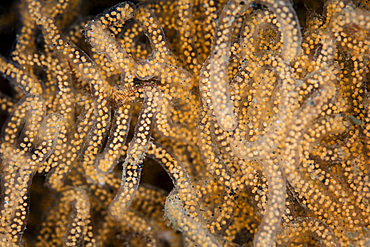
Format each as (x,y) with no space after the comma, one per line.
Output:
(22,158)
(136,153)
(220,54)
(178,216)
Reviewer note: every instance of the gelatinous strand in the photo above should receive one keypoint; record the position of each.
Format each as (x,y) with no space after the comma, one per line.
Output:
(287,106)
(215,164)
(31,110)
(299,229)
(69,221)
(65,96)
(95,142)
(290,28)
(219,60)
(115,17)
(6,103)
(75,33)
(149,68)
(318,51)
(285,119)
(98,35)
(197,234)
(86,70)
(23,159)
(142,226)
(179,83)
(322,130)
(289,164)
(54,8)
(107,160)
(260,35)
(136,152)
(217,167)
(131,41)
(153,30)
(207,106)
(186,28)
(167,128)
(131,222)
(275,205)
(204,87)
(25,49)
(104,43)
(83,66)
(20,77)
(204,39)
(179,106)
(258,99)
(355,23)
(61,162)
(80,226)
(149,200)
(178,174)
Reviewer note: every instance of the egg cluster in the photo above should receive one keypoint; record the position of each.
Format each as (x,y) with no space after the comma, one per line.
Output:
(262,126)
